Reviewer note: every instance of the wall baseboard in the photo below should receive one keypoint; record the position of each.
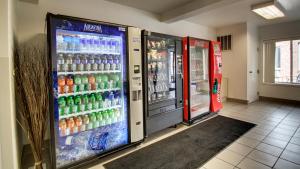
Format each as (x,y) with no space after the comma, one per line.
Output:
(237,100)
(286,101)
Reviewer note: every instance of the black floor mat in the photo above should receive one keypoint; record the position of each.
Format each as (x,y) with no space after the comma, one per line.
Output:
(188,149)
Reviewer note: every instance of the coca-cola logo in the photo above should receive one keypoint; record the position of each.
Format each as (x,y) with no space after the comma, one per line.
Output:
(92,28)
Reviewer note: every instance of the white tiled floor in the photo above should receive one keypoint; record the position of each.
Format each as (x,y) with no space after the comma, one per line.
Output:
(273,143)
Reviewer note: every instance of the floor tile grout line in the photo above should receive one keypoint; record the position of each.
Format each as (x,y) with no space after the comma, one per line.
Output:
(286,144)
(262,142)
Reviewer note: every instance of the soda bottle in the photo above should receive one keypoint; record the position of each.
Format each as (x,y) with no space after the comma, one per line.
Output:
(91,62)
(60,62)
(90,102)
(75,128)
(116,99)
(62,127)
(96,63)
(71,125)
(85,101)
(100,118)
(105,117)
(61,106)
(78,103)
(84,62)
(102,59)
(96,103)
(92,82)
(77,86)
(99,100)
(70,103)
(93,121)
(70,84)
(83,126)
(107,64)
(117,62)
(112,98)
(98,81)
(79,62)
(86,122)
(78,123)
(61,81)
(108,119)
(105,81)
(85,81)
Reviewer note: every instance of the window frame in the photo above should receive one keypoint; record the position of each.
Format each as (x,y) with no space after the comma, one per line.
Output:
(291,83)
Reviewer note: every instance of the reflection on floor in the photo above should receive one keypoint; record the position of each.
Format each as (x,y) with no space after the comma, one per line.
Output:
(273,143)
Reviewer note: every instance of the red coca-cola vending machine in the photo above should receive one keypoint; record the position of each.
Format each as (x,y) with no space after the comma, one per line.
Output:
(215,76)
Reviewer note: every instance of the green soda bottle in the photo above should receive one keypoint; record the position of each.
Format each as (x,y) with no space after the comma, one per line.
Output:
(61,106)
(100,118)
(98,82)
(77,102)
(78,86)
(67,108)
(85,81)
(105,81)
(109,120)
(92,118)
(85,100)
(99,100)
(92,101)
(70,103)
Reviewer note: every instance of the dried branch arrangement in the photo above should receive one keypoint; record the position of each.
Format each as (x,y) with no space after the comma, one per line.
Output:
(32,94)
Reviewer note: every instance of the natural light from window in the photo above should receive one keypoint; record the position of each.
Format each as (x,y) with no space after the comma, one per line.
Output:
(282,61)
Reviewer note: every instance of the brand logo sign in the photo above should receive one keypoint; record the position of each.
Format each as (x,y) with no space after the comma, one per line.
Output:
(92,28)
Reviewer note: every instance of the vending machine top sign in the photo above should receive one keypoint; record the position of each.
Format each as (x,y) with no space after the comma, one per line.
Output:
(90,98)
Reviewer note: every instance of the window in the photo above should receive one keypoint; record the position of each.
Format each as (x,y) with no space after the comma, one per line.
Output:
(225,42)
(277,58)
(282,61)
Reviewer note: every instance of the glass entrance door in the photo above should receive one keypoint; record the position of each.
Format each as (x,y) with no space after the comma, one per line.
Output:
(199,77)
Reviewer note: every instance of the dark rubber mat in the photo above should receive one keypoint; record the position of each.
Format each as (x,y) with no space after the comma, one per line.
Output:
(188,149)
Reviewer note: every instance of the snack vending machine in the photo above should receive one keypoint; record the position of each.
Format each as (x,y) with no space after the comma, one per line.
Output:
(163,81)
(96,98)
(196,79)
(215,76)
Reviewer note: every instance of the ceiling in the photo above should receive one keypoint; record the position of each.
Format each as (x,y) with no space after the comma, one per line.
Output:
(241,12)
(154,6)
(212,13)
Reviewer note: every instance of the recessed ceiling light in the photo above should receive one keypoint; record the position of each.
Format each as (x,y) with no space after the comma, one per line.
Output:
(268,10)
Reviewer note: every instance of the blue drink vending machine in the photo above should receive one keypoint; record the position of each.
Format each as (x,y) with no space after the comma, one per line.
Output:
(96,82)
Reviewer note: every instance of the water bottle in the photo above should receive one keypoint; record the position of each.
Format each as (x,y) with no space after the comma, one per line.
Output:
(106,63)
(79,62)
(102,61)
(60,62)
(108,46)
(117,62)
(102,45)
(65,66)
(95,43)
(112,46)
(110,62)
(87,63)
(69,62)
(89,43)
(91,61)
(84,62)
(114,63)
(96,63)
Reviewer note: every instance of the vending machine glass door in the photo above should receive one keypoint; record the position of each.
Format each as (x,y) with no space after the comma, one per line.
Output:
(199,77)
(161,69)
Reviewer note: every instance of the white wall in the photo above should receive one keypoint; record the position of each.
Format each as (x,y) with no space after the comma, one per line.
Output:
(235,61)
(8,142)
(252,62)
(278,31)
(31,17)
